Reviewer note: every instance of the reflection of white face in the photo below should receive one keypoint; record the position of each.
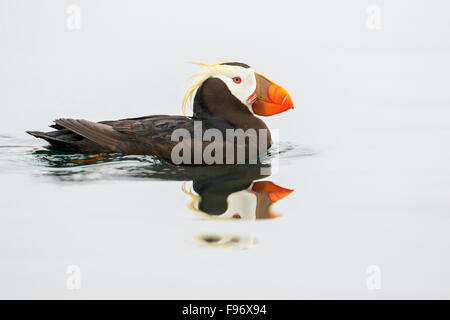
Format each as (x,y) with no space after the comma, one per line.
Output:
(241,205)
(240,81)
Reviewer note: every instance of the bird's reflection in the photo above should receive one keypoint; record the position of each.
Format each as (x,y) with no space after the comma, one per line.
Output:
(234,198)
(222,192)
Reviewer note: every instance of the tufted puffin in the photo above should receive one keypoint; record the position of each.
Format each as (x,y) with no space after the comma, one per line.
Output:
(228,95)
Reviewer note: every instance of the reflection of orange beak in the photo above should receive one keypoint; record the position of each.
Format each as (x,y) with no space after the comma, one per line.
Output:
(270,97)
(275,192)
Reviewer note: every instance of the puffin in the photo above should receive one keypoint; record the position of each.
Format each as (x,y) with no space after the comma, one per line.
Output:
(223,96)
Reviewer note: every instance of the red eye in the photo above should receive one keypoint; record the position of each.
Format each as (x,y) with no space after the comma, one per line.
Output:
(236,216)
(237,80)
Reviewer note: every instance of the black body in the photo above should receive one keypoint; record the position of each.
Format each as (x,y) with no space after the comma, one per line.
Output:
(214,106)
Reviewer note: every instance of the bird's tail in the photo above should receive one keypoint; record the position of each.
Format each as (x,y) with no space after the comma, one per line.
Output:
(55,143)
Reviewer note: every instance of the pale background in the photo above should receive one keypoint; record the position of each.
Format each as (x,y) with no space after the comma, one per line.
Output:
(373,102)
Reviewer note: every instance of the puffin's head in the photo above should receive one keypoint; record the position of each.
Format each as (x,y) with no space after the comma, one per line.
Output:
(254,91)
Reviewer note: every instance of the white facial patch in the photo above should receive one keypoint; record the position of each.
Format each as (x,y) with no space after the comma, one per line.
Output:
(245,88)
(242,87)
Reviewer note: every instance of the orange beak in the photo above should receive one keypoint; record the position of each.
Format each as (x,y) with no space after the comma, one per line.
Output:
(275,192)
(270,98)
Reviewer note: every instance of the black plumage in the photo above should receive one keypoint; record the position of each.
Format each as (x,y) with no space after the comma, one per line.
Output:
(214,106)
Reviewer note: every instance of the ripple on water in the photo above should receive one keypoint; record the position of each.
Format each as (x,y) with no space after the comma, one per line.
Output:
(219,193)
(18,155)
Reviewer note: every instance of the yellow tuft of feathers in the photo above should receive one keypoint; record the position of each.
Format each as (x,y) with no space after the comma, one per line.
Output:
(195,199)
(207,71)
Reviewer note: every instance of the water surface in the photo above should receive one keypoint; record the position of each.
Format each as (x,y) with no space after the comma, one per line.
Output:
(137,226)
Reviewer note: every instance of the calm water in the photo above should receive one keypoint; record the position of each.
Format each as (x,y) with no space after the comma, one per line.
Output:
(209,207)
(139,227)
